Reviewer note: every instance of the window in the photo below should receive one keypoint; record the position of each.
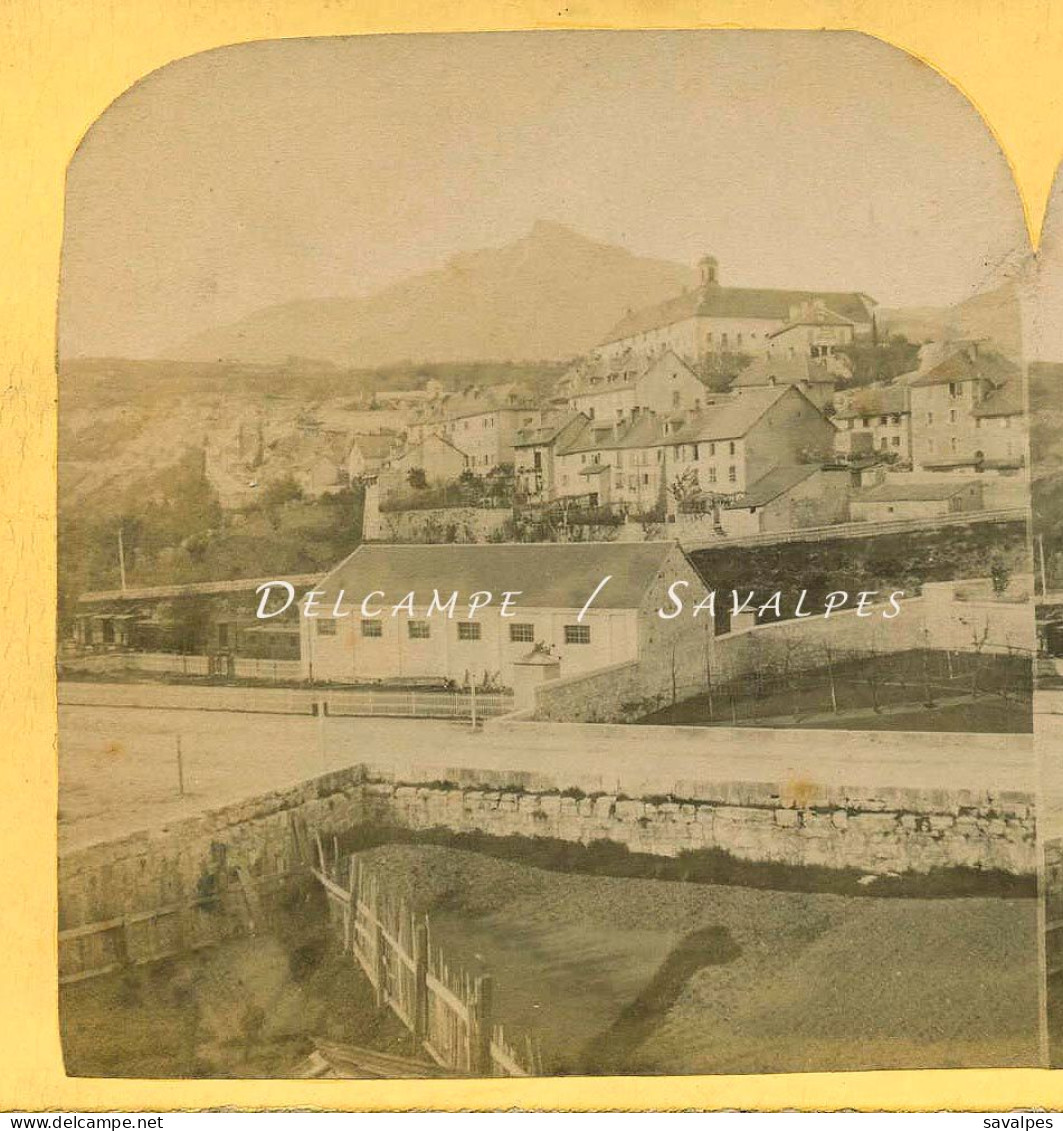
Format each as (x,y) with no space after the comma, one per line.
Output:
(883,420)
(675,399)
(470,630)
(577,634)
(732,474)
(418,630)
(955,389)
(712,474)
(712,449)
(522,633)
(896,441)
(930,418)
(372,628)
(952,443)
(952,416)
(866,422)
(645,480)
(326,627)
(731,448)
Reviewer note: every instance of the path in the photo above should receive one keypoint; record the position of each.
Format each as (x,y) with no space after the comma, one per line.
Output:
(118,765)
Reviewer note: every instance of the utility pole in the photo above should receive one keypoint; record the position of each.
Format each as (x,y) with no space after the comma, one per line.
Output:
(1041,561)
(121,557)
(180,768)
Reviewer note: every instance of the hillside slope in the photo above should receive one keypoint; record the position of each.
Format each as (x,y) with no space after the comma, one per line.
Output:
(994,314)
(551,294)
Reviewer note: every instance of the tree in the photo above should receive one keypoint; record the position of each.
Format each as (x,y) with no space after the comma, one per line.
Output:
(1000,573)
(417,478)
(281,491)
(872,360)
(718,370)
(684,488)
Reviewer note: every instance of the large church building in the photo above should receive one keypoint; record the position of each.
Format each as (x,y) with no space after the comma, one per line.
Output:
(714,319)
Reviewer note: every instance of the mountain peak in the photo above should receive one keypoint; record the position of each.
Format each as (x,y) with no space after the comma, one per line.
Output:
(550,294)
(551,230)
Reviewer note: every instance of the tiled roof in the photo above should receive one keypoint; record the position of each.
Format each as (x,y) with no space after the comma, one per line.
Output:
(789,370)
(732,420)
(556,429)
(875,401)
(736,302)
(547,575)
(374,446)
(967,364)
(1004,401)
(195,588)
(775,483)
(818,315)
(645,431)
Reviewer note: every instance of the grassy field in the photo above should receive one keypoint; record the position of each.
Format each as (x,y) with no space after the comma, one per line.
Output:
(931,691)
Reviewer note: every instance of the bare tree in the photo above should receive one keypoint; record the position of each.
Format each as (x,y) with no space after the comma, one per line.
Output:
(979,644)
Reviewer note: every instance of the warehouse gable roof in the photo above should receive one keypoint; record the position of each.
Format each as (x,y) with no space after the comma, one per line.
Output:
(547,575)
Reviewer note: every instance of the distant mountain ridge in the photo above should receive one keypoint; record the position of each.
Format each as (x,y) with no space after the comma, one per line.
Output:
(995,314)
(549,295)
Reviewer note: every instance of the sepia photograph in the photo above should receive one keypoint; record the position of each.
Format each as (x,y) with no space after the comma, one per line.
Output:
(1043,323)
(546,578)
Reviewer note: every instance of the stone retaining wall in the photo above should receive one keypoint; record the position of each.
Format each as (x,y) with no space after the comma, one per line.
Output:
(806,824)
(796,823)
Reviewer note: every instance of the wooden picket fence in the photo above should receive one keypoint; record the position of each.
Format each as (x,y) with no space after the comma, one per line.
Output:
(450,1013)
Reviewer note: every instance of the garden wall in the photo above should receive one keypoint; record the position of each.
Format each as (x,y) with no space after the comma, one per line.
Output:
(442,524)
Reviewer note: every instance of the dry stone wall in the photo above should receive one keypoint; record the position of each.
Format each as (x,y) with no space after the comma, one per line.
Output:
(876,831)
(880,832)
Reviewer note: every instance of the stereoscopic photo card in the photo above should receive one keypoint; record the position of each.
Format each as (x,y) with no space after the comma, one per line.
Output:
(546,576)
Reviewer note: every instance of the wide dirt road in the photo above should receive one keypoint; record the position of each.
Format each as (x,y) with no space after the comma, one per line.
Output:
(119,765)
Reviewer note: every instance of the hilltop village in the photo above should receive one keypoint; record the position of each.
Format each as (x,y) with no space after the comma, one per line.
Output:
(725,421)
(728,411)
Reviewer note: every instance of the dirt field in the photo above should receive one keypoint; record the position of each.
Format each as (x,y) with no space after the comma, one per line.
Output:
(652,976)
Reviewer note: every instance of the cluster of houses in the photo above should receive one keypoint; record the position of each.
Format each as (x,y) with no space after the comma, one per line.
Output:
(637,427)
(733,406)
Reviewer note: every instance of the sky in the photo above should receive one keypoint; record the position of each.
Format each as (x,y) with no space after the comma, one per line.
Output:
(267,172)
(1044,305)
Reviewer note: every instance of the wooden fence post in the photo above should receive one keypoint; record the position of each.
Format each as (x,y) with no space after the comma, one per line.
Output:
(352,906)
(482,1016)
(380,967)
(121,942)
(420,984)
